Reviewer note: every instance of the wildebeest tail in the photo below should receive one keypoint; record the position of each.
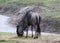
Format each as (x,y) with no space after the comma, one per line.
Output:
(38,19)
(38,29)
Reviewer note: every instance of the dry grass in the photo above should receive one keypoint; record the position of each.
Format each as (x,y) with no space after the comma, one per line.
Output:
(42,39)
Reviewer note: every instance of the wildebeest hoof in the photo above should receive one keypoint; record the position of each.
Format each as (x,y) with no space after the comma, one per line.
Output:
(31,36)
(35,37)
(19,36)
(26,37)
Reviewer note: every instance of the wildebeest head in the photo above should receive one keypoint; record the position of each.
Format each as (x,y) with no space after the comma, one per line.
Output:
(19,30)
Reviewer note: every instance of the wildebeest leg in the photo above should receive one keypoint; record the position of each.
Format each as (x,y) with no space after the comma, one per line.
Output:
(36,34)
(38,30)
(32,30)
(26,32)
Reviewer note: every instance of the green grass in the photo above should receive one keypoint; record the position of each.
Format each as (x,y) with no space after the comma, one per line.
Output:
(51,15)
(55,15)
(5,2)
(12,38)
(51,3)
(30,2)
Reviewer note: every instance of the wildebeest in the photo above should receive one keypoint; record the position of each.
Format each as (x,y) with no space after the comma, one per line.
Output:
(30,19)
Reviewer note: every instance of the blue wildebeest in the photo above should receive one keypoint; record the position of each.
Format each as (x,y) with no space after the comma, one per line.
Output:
(30,19)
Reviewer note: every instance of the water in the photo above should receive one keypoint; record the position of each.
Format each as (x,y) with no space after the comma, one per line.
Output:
(4,26)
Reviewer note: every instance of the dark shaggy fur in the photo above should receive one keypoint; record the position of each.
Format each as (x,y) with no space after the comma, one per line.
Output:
(30,19)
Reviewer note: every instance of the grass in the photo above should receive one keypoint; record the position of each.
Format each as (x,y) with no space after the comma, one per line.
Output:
(12,38)
(53,15)
(51,3)
(4,2)
(30,2)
